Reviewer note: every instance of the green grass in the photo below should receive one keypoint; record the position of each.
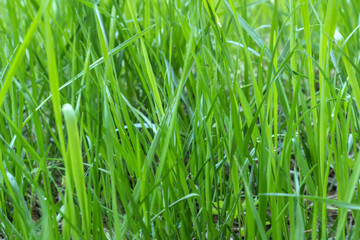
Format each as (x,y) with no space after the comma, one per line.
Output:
(179,119)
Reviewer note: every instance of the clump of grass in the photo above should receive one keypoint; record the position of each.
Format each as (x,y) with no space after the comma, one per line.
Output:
(179,119)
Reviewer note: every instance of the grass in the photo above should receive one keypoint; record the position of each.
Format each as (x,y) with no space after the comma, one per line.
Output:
(213,119)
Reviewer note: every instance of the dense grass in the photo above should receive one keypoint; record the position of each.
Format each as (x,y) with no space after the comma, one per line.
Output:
(179,119)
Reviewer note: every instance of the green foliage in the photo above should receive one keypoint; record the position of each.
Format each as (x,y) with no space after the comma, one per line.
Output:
(179,119)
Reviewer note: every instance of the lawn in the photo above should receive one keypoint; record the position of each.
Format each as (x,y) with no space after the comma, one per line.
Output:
(179,119)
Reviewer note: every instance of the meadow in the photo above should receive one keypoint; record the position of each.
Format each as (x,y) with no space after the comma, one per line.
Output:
(179,119)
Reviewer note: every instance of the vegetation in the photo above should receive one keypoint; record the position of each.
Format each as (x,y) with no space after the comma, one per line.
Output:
(179,119)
